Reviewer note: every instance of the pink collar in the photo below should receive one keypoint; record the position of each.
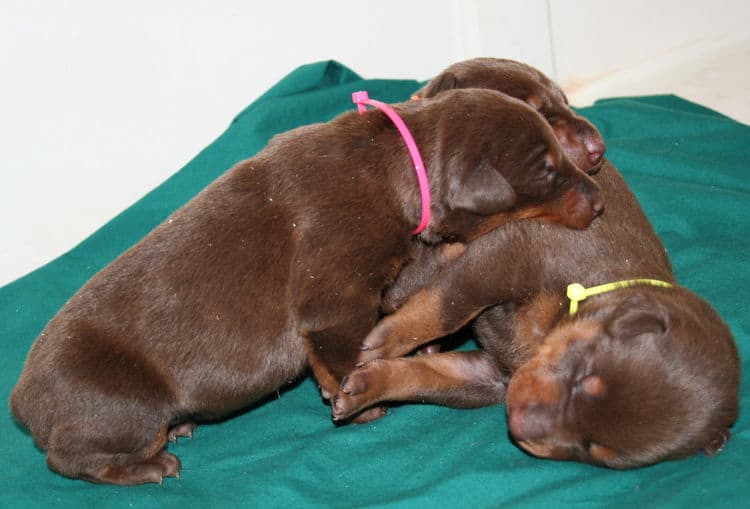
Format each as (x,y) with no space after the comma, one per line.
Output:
(360,99)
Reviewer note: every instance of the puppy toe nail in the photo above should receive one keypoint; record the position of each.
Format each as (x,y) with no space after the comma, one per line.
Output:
(360,364)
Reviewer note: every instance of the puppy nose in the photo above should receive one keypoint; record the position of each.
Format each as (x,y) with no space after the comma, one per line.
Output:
(596,148)
(595,156)
(530,422)
(595,199)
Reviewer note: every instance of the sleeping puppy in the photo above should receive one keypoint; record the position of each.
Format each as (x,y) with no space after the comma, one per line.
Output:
(580,140)
(639,374)
(277,265)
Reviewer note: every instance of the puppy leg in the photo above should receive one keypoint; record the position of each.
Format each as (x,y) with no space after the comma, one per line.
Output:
(100,408)
(428,315)
(184,429)
(332,355)
(100,453)
(418,273)
(458,379)
(481,277)
(327,380)
(149,470)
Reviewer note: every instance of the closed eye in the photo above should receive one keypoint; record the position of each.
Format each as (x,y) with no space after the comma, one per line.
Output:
(560,179)
(545,176)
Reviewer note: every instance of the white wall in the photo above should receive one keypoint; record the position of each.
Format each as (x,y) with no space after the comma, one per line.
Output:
(698,49)
(101,101)
(597,38)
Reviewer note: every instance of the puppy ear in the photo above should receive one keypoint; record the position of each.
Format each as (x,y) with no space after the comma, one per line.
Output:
(638,315)
(442,82)
(480,190)
(715,446)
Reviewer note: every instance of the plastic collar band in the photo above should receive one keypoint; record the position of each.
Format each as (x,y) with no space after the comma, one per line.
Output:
(576,291)
(361,98)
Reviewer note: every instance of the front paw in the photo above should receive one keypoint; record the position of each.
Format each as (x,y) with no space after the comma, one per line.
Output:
(184,429)
(376,345)
(358,391)
(369,415)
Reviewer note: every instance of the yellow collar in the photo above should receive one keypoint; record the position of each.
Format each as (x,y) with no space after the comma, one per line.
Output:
(576,291)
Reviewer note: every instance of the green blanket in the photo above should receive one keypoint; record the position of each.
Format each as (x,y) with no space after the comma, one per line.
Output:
(688,166)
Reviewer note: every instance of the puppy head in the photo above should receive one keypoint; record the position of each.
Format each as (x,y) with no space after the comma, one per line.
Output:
(580,140)
(500,159)
(651,378)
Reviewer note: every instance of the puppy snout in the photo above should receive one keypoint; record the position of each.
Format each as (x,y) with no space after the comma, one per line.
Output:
(596,200)
(584,202)
(530,422)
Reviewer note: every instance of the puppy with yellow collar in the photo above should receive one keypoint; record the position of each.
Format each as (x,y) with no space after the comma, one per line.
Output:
(620,375)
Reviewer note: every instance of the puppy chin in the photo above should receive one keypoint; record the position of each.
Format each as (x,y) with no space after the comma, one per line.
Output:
(546,450)
(540,450)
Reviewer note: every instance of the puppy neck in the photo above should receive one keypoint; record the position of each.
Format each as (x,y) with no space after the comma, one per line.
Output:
(361,99)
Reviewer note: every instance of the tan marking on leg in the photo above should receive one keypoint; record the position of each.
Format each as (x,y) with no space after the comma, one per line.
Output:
(327,381)
(432,378)
(418,322)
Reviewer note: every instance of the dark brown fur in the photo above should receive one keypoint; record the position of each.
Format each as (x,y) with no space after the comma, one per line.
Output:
(278,264)
(638,375)
(580,140)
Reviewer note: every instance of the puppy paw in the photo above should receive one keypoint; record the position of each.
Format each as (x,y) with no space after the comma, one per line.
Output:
(375,346)
(717,444)
(357,393)
(168,463)
(151,470)
(369,415)
(184,429)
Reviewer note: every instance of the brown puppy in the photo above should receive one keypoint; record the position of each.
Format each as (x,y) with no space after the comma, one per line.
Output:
(279,263)
(579,138)
(639,375)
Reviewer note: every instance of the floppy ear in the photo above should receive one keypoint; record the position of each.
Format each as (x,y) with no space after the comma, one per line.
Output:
(481,190)
(637,315)
(445,81)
